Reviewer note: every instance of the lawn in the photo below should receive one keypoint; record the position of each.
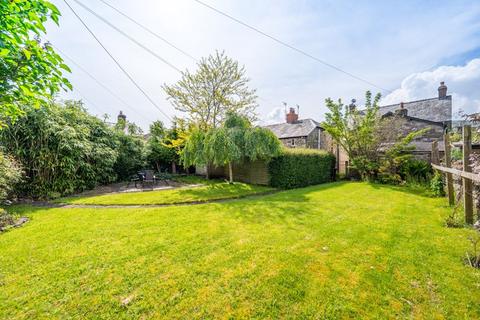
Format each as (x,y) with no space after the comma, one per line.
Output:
(340,250)
(212,190)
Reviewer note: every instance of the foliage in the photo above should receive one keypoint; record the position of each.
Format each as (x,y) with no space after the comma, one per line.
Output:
(234,142)
(218,86)
(163,146)
(193,152)
(10,174)
(296,168)
(414,169)
(30,72)
(396,157)
(130,155)
(333,251)
(473,258)
(437,185)
(376,146)
(63,149)
(6,219)
(356,132)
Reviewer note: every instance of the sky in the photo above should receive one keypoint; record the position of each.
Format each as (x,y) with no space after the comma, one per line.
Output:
(406,48)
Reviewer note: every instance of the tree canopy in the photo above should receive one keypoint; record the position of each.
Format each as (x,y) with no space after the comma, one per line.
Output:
(219,86)
(30,71)
(234,142)
(63,149)
(373,144)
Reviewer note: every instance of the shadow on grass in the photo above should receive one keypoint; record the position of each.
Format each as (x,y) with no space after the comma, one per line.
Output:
(414,190)
(287,207)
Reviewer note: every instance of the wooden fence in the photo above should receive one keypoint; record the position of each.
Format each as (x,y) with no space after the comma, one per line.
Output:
(466,174)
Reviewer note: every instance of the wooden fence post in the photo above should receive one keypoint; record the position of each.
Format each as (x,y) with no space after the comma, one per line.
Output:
(435,156)
(467,183)
(448,164)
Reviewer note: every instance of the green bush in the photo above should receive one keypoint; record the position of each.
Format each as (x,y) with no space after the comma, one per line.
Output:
(6,219)
(63,150)
(437,185)
(10,175)
(296,168)
(416,169)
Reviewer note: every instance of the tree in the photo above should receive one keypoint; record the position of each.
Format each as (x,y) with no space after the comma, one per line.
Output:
(370,141)
(30,72)
(218,87)
(157,151)
(234,142)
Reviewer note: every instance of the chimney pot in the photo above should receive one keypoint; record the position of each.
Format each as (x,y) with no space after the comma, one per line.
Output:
(292,117)
(121,116)
(442,91)
(402,112)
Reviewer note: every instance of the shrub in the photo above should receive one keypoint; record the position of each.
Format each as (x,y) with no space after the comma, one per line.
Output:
(296,168)
(417,170)
(6,219)
(437,185)
(10,175)
(63,149)
(130,159)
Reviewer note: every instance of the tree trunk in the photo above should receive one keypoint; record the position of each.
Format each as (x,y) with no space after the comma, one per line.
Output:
(174,167)
(207,171)
(230,172)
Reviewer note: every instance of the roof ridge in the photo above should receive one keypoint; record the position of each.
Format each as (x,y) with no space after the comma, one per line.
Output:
(414,101)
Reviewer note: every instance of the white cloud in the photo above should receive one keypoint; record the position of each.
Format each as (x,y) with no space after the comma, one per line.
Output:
(277,115)
(463,84)
(369,40)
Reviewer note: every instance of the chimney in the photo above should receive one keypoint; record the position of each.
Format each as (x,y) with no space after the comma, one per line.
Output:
(402,112)
(292,117)
(442,91)
(352,106)
(121,117)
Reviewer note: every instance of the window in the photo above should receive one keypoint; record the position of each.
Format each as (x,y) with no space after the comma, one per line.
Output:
(293,142)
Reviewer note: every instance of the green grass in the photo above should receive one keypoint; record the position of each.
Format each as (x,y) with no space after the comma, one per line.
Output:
(340,250)
(212,190)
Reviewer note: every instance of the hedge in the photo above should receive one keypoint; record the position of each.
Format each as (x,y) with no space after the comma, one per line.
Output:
(297,168)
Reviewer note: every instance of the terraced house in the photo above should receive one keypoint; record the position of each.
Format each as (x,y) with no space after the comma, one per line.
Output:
(434,113)
(304,133)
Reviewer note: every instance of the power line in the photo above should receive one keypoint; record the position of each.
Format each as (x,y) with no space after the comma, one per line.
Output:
(149,30)
(290,46)
(113,94)
(144,47)
(117,63)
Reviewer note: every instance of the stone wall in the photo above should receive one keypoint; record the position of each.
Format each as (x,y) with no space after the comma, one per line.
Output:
(310,141)
(298,142)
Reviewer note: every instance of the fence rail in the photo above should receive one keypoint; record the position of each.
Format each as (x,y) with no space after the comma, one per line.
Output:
(463,174)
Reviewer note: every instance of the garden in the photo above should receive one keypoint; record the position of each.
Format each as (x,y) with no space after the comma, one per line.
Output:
(99,220)
(338,250)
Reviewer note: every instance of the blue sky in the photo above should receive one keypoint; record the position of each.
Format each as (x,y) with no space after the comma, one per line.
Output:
(403,46)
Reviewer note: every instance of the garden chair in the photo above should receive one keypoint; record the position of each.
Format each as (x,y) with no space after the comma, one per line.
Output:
(149,176)
(138,177)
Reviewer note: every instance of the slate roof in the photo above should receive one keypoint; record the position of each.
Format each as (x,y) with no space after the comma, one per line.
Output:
(408,117)
(433,109)
(301,128)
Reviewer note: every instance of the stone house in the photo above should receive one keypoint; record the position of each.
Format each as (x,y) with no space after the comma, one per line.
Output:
(304,133)
(435,113)
(403,124)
